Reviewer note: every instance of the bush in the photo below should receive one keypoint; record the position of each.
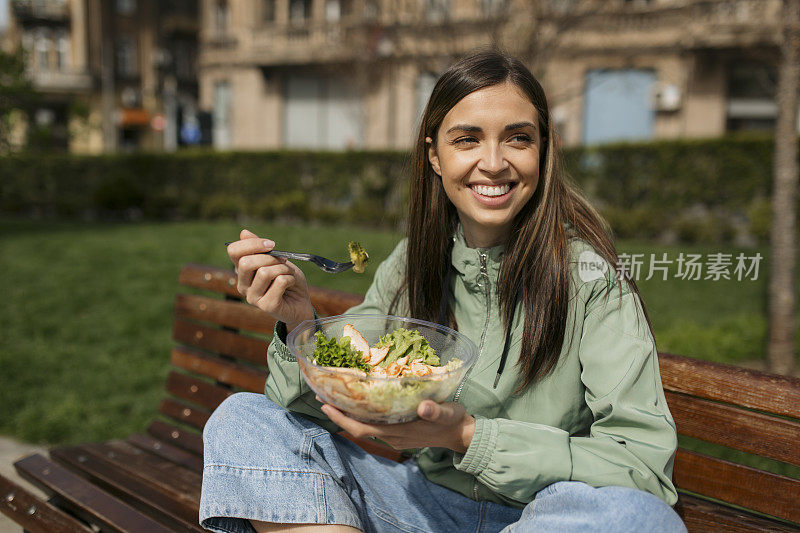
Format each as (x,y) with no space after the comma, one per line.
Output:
(645,190)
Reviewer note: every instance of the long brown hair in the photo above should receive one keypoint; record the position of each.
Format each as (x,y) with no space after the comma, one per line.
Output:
(535,265)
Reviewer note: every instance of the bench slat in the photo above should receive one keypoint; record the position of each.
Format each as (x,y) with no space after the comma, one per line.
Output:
(186,440)
(230,314)
(741,485)
(219,280)
(224,371)
(326,301)
(741,429)
(769,393)
(33,514)
(221,341)
(197,391)
(703,515)
(167,451)
(194,416)
(329,302)
(171,477)
(84,499)
(127,482)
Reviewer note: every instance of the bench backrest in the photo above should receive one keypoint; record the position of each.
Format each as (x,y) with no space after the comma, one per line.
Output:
(221,349)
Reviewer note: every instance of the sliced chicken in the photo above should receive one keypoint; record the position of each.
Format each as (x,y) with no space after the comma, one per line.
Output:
(357,340)
(376,355)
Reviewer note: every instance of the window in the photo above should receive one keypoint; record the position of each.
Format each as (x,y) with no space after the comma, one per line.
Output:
(333,10)
(299,11)
(125,7)
(425,83)
(268,10)
(618,105)
(437,10)
(322,113)
(222,115)
(43,45)
(222,18)
(491,8)
(62,53)
(372,10)
(751,97)
(127,61)
(347,8)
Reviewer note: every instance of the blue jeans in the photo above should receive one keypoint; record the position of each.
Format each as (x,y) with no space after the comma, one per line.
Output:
(262,462)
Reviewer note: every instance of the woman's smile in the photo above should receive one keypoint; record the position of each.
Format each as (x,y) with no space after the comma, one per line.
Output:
(493,195)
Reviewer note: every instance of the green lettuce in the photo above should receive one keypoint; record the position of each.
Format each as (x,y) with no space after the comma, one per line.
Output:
(404,342)
(330,352)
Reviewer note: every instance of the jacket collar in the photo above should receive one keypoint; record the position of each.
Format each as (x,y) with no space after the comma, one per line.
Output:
(467,260)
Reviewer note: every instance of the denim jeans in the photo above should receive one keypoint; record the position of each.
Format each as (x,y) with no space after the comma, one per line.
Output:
(262,462)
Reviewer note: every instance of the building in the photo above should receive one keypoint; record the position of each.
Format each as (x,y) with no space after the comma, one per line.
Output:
(111,74)
(339,74)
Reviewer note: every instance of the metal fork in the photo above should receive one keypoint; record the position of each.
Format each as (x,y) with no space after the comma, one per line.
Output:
(327,265)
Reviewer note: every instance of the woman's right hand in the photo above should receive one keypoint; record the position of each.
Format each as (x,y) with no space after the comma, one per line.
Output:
(273,284)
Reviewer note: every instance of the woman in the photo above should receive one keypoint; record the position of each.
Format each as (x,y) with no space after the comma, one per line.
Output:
(562,422)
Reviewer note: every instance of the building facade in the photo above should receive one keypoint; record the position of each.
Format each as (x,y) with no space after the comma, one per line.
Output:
(340,74)
(110,74)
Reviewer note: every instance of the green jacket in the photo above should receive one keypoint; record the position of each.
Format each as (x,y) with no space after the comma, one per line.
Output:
(600,417)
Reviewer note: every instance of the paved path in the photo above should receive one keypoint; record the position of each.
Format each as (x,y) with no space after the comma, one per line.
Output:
(10,451)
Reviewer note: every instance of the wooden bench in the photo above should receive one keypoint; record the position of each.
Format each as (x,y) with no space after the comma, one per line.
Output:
(150,482)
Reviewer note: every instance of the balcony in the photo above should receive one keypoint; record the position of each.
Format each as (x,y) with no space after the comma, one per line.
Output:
(61,82)
(290,45)
(41,11)
(734,23)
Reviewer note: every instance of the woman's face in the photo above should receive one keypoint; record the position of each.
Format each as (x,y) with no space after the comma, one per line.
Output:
(487,154)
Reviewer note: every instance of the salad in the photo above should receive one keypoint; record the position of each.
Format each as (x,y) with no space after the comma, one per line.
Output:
(401,353)
(360,379)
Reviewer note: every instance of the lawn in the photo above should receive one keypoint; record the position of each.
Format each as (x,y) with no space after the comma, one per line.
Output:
(88,309)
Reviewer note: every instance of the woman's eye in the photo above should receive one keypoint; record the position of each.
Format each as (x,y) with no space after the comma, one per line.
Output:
(465,140)
(521,137)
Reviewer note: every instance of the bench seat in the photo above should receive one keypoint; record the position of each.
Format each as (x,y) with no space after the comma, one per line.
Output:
(150,482)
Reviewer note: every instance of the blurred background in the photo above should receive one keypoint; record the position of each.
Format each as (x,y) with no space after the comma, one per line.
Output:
(140,135)
(128,75)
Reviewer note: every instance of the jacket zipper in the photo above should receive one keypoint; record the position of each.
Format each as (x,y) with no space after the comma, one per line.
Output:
(485,275)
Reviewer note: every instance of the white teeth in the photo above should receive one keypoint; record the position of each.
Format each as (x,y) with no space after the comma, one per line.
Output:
(497,190)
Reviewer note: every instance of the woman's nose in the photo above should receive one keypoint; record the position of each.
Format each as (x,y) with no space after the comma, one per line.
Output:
(492,159)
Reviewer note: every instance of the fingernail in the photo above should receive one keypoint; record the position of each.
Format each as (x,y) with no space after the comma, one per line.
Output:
(268,243)
(427,410)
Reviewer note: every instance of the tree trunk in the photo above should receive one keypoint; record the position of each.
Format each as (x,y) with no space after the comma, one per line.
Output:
(781,357)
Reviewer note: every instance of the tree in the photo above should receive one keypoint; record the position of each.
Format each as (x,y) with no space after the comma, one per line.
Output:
(16,94)
(781,356)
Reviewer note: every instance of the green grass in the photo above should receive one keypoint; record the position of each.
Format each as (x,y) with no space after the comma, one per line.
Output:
(87,313)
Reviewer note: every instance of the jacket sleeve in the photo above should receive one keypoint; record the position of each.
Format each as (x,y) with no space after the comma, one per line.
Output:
(632,439)
(285,384)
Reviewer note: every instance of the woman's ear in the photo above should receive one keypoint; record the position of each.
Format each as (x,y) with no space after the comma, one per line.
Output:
(433,157)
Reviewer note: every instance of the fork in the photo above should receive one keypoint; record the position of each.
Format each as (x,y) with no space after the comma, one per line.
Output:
(327,265)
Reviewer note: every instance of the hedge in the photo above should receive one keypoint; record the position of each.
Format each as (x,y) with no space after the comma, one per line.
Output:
(695,190)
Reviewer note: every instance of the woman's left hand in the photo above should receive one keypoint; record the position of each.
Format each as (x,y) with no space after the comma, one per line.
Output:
(441,425)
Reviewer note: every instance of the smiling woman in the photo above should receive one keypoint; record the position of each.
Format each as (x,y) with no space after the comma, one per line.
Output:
(488,163)
(576,434)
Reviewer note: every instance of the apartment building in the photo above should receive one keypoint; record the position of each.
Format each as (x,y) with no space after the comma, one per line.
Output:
(340,74)
(110,74)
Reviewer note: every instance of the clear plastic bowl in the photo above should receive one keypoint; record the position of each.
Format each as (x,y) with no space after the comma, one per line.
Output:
(385,400)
